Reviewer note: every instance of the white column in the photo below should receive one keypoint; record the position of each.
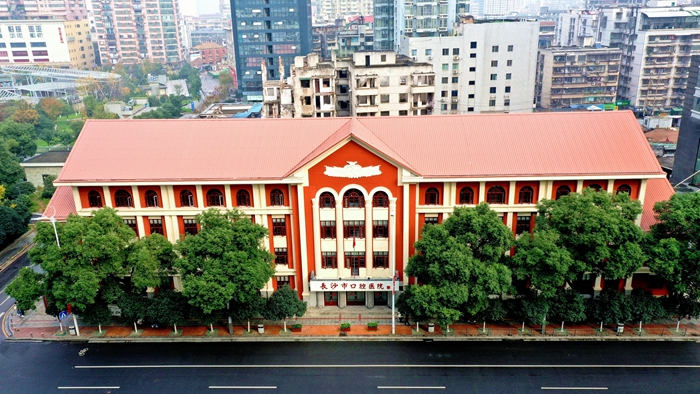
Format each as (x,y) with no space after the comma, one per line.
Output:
(628,285)
(227,197)
(302,241)
(392,256)
(596,286)
(166,196)
(172,228)
(405,220)
(448,199)
(108,197)
(482,192)
(140,226)
(579,186)
(642,195)
(200,196)
(317,235)
(369,238)
(339,238)
(511,193)
(542,192)
(611,185)
(135,197)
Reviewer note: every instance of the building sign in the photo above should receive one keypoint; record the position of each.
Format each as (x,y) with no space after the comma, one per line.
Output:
(352,170)
(60,34)
(350,285)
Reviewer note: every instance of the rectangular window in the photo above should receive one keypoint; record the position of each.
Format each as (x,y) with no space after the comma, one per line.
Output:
(156,226)
(445,79)
(281,256)
(509,63)
(132,224)
(384,98)
(18,45)
(492,103)
(522,224)
(445,66)
(494,48)
(354,229)
(455,51)
(445,51)
(40,53)
(453,106)
(279,227)
(472,69)
(510,48)
(380,229)
(506,103)
(328,229)
(455,93)
(3,53)
(494,76)
(384,113)
(455,66)
(442,94)
(428,52)
(494,63)
(190,226)
(472,45)
(403,97)
(508,76)
(403,112)
(492,89)
(282,281)
(470,95)
(470,109)
(380,260)
(455,79)
(472,55)
(354,260)
(20,53)
(472,82)
(431,220)
(507,89)
(38,44)
(329,260)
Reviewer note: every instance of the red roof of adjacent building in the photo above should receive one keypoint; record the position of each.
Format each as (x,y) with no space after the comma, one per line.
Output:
(446,146)
(64,203)
(657,190)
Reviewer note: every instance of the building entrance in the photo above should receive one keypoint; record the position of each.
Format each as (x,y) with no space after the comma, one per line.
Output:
(356,298)
(330,298)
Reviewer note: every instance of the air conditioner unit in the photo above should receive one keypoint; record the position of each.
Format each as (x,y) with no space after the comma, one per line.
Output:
(455,71)
(455,100)
(455,58)
(414,58)
(430,58)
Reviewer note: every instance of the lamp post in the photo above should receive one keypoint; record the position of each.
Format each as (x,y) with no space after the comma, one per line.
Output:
(52,219)
(392,253)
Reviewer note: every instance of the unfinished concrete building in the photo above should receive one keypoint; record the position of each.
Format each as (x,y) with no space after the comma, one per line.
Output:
(277,95)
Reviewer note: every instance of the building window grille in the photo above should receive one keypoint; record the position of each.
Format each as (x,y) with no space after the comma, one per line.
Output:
(380,260)
(432,196)
(380,229)
(279,227)
(496,195)
(466,195)
(243,198)
(562,191)
(380,200)
(156,226)
(122,198)
(522,224)
(276,198)
(354,229)
(327,200)
(281,256)
(526,195)
(328,229)
(94,199)
(191,226)
(215,198)
(353,198)
(186,198)
(329,260)
(151,199)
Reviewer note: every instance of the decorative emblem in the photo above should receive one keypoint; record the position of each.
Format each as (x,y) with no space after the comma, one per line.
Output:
(352,170)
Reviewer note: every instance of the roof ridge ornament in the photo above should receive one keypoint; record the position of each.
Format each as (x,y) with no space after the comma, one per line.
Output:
(352,170)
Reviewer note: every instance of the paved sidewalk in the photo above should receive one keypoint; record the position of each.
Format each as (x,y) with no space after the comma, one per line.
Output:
(324,324)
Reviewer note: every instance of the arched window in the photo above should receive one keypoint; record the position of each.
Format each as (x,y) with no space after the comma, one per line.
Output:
(625,189)
(242,198)
(496,195)
(466,195)
(186,198)
(380,200)
(562,191)
(353,198)
(95,199)
(122,198)
(595,187)
(432,196)
(276,198)
(525,196)
(151,199)
(327,200)
(215,198)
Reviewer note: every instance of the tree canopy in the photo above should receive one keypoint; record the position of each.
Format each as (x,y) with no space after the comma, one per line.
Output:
(284,303)
(225,262)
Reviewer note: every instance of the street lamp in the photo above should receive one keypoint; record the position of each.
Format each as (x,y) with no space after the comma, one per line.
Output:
(52,219)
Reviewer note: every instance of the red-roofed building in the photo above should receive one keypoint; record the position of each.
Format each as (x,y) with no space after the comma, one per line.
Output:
(347,197)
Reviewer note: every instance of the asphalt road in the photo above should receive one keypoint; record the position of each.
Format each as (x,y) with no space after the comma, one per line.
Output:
(352,367)
(6,276)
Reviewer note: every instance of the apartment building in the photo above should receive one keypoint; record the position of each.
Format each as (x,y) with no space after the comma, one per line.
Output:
(34,41)
(547,34)
(656,44)
(487,67)
(130,31)
(577,28)
(330,10)
(377,83)
(80,45)
(44,9)
(429,18)
(570,77)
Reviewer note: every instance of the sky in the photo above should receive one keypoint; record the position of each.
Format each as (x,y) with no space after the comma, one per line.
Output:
(196,7)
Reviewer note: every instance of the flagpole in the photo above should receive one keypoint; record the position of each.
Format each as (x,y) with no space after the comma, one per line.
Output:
(392,253)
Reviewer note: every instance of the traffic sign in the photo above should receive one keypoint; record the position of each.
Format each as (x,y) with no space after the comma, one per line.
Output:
(62,315)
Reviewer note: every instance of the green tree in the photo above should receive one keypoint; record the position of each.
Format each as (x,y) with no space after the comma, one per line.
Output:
(496,311)
(459,263)
(96,314)
(225,262)
(10,170)
(150,260)
(14,218)
(45,128)
(597,230)
(283,304)
(225,80)
(26,288)
(548,265)
(610,307)
(681,306)
(567,305)
(92,250)
(19,138)
(168,308)
(673,244)
(49,188)
(52,107)
(645,308)
(535,309)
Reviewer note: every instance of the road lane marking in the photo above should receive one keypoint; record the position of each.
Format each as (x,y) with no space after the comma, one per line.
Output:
(411,387)
(282,366)
(574,388)
(244,387)
(2,314)
(88,387)
(8,297)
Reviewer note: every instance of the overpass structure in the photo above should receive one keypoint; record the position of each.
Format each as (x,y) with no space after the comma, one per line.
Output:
(22,81)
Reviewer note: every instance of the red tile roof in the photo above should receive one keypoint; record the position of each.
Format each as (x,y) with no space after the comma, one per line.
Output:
(657,190)
(536,144)
(64,203)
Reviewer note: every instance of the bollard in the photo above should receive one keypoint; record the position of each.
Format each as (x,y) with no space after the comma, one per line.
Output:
(510,332)
(575,331)
(662,330)
(31,334)
(685,332)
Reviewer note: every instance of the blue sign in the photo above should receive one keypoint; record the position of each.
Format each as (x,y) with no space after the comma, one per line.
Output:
(62,315)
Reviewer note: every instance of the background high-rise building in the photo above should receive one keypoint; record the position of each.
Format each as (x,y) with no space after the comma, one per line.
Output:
(268,31)
(44,9)
(131,31)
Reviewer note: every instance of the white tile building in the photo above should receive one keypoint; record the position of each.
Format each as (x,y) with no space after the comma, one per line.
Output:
(489,67)
(577,28)
(34,41)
